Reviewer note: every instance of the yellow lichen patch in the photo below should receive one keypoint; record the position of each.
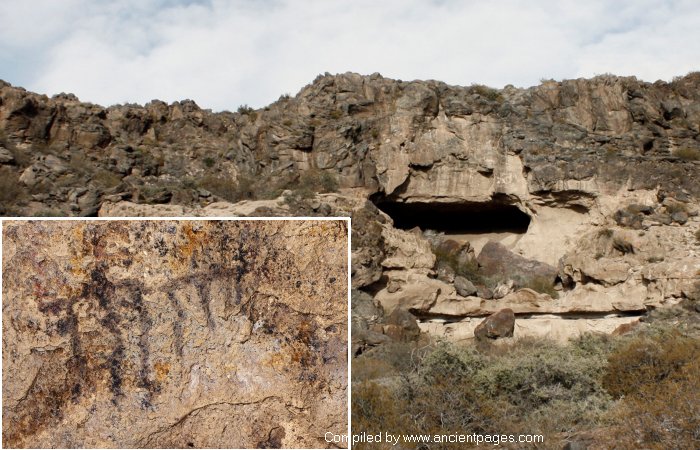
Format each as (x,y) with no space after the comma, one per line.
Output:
(162,370)
(193,240)
(277,361)
(324,229)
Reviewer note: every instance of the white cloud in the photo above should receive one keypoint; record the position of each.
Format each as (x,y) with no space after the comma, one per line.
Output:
(226,53)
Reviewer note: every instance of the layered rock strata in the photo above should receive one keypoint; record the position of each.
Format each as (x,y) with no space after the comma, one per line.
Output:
(595,179)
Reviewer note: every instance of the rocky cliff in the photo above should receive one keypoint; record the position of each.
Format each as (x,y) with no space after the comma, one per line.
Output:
(589,187)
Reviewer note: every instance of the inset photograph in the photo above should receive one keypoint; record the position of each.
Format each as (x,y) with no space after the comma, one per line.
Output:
(174,333)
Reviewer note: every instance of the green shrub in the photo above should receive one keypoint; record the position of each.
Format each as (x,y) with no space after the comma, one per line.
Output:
(209,162)
(532,384)
(245,109)
(248,111)
(465,267)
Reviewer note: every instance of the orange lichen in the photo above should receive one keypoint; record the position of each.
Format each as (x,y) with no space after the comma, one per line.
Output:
(162,370)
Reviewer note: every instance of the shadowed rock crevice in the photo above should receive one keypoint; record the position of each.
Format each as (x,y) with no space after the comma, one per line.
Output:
(457,218)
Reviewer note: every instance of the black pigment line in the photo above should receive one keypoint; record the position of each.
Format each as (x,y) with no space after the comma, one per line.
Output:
(144,346)
(104,291)
(115,372)
(242,257)
(177,323)
(204,290)
(78,362)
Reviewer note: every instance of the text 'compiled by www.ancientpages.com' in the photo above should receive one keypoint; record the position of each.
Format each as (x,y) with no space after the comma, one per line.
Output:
(453,438)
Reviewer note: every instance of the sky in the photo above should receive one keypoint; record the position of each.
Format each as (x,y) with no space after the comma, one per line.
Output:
(223,54)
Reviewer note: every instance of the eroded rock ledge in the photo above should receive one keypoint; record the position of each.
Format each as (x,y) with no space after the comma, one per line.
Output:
(174,334)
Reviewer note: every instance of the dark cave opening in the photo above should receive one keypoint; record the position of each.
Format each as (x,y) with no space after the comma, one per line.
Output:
(457,218)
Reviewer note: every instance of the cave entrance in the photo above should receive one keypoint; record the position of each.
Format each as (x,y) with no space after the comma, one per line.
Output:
(474,222)
(457,218)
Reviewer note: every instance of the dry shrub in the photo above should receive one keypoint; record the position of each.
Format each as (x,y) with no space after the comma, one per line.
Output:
(648,360)
(376,409)
(688,154)
(106,179)
(11,190)
(658,380)
(533,386)
(232,190)
(366,368)
(314,181)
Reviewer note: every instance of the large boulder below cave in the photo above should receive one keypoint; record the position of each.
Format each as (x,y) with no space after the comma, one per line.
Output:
(495,260)
(498,325)
(401,325)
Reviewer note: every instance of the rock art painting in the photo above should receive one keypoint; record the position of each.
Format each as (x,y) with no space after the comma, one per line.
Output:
(176,333)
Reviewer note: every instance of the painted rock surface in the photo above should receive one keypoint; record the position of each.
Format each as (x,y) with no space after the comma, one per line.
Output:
(174,333)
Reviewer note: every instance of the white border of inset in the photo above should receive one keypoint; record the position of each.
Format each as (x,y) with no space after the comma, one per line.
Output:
(207,218)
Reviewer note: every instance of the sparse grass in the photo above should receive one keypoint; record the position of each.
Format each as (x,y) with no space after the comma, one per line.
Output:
(688,154)
(676,207)
(605,233)
(314,181)
(106,179)
(542,285)
(488,93)
(336,114)
(49,212)
(10,188)
(697,235)
(228,188)
(468,268)
(248,111)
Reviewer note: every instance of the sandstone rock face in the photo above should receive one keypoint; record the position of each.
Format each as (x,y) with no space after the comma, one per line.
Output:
(604,171)
(174,333)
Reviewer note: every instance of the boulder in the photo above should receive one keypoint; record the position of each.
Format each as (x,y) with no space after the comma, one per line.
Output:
(401,325)
(498,325)
(495,260)
(6,157)
(464,287)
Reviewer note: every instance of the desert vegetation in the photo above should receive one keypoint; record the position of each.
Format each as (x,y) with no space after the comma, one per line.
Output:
(639,390)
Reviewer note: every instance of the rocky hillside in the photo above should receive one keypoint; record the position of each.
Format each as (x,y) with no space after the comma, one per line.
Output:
(574,204)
